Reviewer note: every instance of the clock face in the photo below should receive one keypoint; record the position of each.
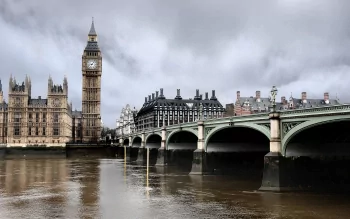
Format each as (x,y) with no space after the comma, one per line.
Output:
(91,64)
(56,102)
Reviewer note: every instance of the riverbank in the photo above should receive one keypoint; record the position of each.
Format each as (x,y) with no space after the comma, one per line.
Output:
(71,150)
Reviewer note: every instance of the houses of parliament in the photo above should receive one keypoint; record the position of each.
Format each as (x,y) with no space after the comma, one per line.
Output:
(27,121)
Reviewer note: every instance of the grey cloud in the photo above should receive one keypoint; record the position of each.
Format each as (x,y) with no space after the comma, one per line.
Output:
(223,45)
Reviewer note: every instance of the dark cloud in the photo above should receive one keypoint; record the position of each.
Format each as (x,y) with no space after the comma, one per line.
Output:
(297,45)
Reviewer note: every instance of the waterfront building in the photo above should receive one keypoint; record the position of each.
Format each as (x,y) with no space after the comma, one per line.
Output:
(29,121)
(126,122)
(157,110)
(26,121)
(258,104)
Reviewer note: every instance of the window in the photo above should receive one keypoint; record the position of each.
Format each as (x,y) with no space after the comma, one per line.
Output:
(17,117)
(55,131)
(55,117)
(44,117)
(16,130)
(30,115)
(30,131)
(36,131)
(36,117)
(44,131)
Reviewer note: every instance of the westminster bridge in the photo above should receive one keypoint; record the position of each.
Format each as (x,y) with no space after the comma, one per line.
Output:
(291,145)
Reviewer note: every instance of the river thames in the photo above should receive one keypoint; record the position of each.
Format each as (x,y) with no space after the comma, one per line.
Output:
(110,188)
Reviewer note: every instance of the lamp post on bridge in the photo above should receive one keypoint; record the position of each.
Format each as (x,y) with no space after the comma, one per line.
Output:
(273,97)
(274,174)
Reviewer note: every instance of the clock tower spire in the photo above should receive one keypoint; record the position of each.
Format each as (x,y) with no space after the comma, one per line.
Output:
(91,93)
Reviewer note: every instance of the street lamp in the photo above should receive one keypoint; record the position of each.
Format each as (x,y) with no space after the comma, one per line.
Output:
(273,97)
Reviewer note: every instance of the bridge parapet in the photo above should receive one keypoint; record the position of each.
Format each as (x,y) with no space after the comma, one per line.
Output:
(317,111)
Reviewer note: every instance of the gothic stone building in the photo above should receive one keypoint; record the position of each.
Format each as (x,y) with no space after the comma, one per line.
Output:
(258,104)
(91,93)
(29,121)
(37,121)
(87,123)
(158,111)
(126,123)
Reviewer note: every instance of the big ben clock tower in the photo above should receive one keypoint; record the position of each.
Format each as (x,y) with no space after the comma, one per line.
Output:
(91,99)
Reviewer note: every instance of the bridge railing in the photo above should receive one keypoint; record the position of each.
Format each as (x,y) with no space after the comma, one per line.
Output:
(334,109)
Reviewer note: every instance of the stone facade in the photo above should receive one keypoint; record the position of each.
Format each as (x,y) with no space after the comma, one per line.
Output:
(258,104)
(91,89)
(126,123)
(27,121)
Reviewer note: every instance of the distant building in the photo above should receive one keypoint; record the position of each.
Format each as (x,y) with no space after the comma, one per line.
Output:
(258,104)
(158,111)
(126,123)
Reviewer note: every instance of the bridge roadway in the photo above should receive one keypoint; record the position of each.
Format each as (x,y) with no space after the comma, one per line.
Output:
(278,137)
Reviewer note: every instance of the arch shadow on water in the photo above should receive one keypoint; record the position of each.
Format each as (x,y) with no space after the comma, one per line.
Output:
(181,145)
(237,151)
(134,150)
(318,156)
(153,143)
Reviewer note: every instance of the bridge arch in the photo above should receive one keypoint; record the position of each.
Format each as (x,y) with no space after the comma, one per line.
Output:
(153,140)
(208,134)
(186,137)
(136,141)
(126,142)
(307,125)
(152,134)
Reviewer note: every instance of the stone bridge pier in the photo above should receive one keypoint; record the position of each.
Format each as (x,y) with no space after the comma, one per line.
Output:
(274,174)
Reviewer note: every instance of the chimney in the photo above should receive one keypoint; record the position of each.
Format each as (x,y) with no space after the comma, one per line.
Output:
(303,95)
(178,96)
(206,96)
(213,97)
(197,95)
(283,100)
(157,94)
(152,96)
(201,97)
(257,94)
(145,99)
(39,97)
(161,96)
(149,98)
(238,94)
(326,96)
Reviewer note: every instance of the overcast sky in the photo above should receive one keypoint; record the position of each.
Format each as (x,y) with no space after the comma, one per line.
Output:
(225,45)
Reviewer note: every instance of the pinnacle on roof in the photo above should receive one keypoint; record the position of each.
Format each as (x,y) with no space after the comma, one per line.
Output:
(92,31)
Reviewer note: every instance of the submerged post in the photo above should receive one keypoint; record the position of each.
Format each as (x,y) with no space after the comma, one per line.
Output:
(199,163)
(162,152)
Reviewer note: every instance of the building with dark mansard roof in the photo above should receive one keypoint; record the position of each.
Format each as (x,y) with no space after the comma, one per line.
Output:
(158,110)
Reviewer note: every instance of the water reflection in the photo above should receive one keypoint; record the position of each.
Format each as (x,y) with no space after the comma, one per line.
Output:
(76,188)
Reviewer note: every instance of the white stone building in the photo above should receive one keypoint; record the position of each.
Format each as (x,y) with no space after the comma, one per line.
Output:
(126,123)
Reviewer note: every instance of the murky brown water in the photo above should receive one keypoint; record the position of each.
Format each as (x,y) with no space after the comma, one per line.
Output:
(65,188)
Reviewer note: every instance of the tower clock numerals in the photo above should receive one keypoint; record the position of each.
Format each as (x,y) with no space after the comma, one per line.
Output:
(91,64)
